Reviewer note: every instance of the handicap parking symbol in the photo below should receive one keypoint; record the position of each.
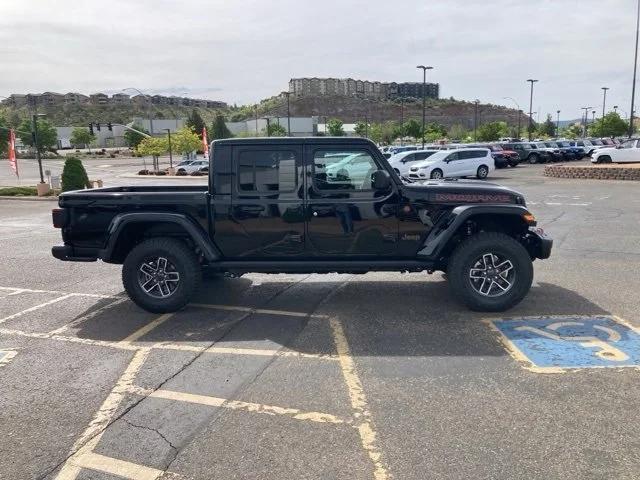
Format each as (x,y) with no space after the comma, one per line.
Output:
(553,344)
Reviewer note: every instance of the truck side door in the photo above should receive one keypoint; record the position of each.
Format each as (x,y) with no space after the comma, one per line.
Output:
(267,211)
(346,216)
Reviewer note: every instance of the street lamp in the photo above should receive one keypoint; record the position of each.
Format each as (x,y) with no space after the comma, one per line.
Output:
(34,136)
(635,68)
(604,101)
(148,98)
(288,114)
(615,109)
(593,117)
(401,121)
(268,125)
(168,130)
(475,121)
(531,81)
(519,113)
(424,96)
(558,123)
(586,119)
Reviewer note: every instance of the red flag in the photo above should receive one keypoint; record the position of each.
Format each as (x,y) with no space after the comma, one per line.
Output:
(205,143)
(13,162)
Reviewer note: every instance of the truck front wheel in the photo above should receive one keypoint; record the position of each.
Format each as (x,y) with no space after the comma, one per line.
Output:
(161,274)
(490,272)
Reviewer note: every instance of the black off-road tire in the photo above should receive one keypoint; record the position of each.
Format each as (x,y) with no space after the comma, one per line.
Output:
(180,256)
(463,258)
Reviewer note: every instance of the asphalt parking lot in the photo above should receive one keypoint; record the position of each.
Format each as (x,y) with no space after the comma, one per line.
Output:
(373,376)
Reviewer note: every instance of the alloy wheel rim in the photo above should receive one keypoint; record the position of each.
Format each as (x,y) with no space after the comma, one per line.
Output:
(492,275)
(436,174)
(158,277)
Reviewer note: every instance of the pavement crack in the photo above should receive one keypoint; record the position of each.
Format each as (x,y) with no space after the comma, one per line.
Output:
(159,433)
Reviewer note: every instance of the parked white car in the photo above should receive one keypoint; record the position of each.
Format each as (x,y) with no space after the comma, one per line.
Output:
(403,161)
(193,166)
(464,162)
(627,152)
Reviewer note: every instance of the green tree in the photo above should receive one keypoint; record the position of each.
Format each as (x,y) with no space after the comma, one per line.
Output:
(185,141)
(611,125)
(154,147)
(132,138)
(81,136)
(219,129)
(47,135)
(334,128)
(276,130)
(413,129)
(547,128)
(4,136)
(573,131)
(74,176)
(361,129)
(195,122)
(492,131)
(458,132)
(384,132)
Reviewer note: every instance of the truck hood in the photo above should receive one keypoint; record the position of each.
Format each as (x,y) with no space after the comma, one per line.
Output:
(461,192)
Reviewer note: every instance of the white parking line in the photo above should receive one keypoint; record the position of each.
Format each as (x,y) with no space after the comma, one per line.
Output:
(238,308)
(6,356)
(114,466)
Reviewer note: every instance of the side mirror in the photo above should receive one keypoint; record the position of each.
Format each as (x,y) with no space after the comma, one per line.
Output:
(380,180)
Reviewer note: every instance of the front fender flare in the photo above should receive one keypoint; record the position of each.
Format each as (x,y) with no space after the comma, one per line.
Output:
(446,227)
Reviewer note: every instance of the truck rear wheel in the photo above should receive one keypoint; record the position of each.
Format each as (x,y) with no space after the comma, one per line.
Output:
(490,272)
(161,275)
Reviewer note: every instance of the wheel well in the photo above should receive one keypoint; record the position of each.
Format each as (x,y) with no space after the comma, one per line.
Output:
(512,225)
(136,232)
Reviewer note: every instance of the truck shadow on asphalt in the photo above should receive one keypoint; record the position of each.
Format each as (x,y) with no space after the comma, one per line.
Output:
(380,318)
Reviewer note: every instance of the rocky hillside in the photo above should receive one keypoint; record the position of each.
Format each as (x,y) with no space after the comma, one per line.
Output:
(351,110)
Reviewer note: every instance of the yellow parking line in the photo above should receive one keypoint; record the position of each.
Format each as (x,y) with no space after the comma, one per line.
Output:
(246,406)
(92,434)
(36,307)
(147,328)
(114,466)
(238,308)
(17,291)
(364,421)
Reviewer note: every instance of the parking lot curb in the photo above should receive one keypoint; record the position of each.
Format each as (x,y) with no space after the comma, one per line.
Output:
(29,198)
(604,172)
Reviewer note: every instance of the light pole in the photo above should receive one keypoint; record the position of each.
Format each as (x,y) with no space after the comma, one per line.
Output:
(519,113)
(586,119)
(36,143)
(531,81)
(256,120)
(148,98)
(593,116)
(604,101)
(424,97)
(475,121)
(168,130)
(288,114)
(615,109)
(401,121)
(558,123)
(268,126)
(635,69)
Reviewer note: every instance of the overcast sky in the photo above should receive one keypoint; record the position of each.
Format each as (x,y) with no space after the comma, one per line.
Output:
(242,51)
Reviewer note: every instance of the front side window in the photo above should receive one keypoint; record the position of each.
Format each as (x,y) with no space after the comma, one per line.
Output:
(352,172)
(453,157)
(423,155)
(267,171)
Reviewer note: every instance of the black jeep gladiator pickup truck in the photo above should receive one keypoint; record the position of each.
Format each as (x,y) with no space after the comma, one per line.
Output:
(304,205)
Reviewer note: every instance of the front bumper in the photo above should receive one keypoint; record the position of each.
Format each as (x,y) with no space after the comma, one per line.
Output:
(539,243)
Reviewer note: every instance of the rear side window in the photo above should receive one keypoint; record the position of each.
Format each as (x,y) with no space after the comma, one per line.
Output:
(467,154)
(267,171)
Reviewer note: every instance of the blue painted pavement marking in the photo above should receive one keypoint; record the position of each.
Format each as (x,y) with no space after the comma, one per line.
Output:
(572,342)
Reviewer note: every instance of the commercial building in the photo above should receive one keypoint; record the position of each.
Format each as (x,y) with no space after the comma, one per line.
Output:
(313,86)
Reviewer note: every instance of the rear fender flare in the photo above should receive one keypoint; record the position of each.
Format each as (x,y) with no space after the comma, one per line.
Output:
(193,230)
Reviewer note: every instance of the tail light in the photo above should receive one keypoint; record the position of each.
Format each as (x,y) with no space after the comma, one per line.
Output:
(59,217)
